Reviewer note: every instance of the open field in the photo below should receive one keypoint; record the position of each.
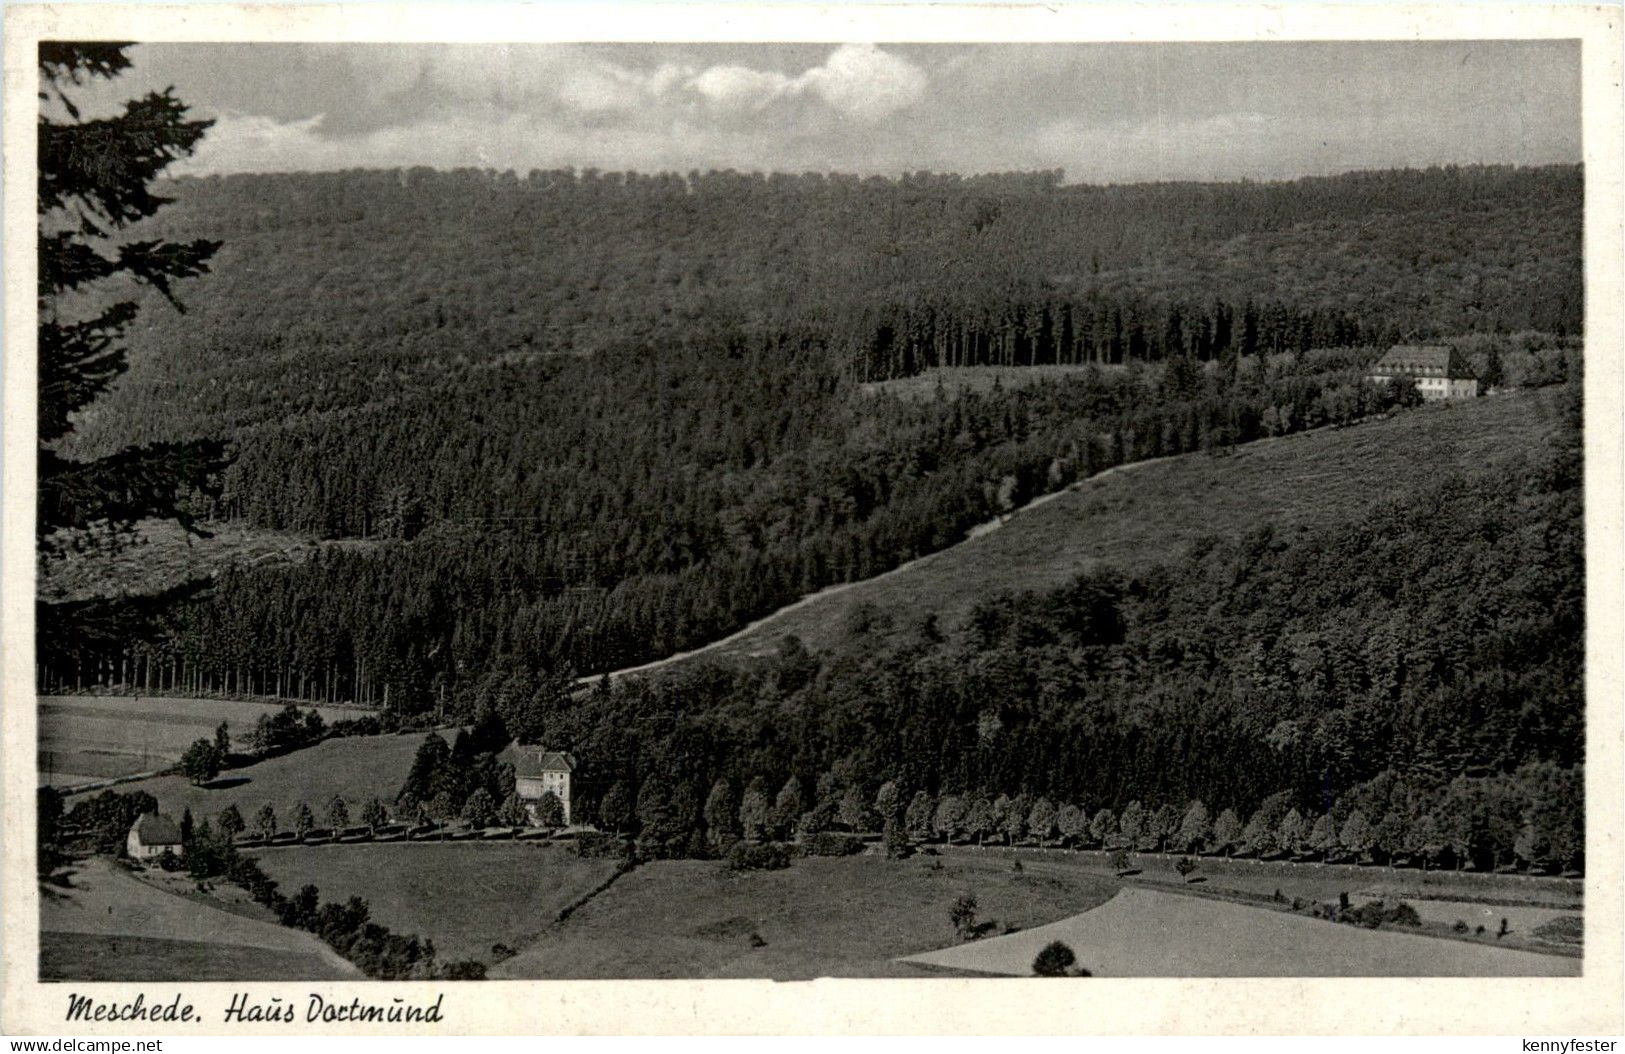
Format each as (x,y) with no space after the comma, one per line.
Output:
(1322,882)
(355,768)
(464,896)
(86,738)
(105,924)
(93,957)
(1146,933)
(1522,920)
(847,917)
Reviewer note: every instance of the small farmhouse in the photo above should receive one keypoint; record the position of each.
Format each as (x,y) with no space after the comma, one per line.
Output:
(150,835)
(1439,372)
(538,770)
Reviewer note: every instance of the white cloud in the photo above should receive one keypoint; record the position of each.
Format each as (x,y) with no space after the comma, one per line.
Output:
(601,88)
(1100,112)
(740,87)
(863,81)
(857,80)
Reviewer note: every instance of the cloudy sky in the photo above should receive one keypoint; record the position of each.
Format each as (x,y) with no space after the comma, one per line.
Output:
(1102,112)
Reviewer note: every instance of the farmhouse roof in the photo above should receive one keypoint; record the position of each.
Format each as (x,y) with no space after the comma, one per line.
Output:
(1424,360)
(156,829)
(532,761)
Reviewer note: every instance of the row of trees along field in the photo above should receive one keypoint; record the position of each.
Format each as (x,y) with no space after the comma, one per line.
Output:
(1528,818)
(731,487)
(1421,668)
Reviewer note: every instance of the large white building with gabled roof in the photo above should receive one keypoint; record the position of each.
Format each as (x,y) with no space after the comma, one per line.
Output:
(1440,372)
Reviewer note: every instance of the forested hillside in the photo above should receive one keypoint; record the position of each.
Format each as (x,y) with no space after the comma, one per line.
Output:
(336,290)
(586,420)
(604,531)
(1422,668)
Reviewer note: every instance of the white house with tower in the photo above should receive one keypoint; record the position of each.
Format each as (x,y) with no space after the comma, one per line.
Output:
(538,771)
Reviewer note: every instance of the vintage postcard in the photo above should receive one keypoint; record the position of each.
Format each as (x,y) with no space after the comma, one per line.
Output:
(885,519)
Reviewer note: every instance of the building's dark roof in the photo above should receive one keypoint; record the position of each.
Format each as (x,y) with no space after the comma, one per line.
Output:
(1424,360)
(156,829)
(531,761)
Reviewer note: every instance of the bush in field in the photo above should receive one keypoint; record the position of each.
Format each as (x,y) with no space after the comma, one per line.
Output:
(831,843)
(770,856)
(1565,929)
(1054,961)
(1120,861)
(287,729)
(963,916)
(595,845)
(1375,913)
(369,725)
(1185,865)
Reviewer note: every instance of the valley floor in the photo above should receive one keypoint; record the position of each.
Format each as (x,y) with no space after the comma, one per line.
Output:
(861,916)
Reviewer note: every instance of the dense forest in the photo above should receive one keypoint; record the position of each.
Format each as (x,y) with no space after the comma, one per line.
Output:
(1422,668)
(589,419)
(650,528)
(584,420)
(338,290)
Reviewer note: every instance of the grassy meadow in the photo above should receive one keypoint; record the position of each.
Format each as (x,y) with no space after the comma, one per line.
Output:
(87,738)
(821,917)
(1149,933)
(355,768)
(464,896)
(1314,881)
(100,923)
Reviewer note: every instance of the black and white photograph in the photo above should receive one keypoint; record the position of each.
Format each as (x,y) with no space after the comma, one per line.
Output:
(550,511)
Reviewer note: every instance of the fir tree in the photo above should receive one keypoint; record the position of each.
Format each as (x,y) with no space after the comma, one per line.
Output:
(94,183)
